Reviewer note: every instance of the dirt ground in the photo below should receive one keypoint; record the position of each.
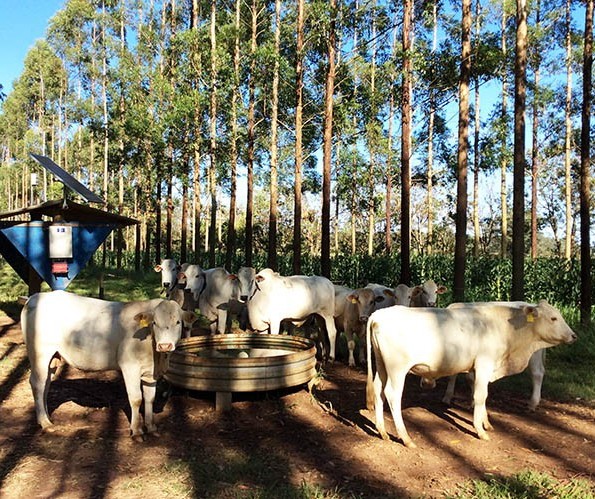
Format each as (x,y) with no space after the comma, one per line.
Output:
(283,438)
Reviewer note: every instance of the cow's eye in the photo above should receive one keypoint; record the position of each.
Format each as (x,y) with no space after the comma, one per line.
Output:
(554,319)
(178,322)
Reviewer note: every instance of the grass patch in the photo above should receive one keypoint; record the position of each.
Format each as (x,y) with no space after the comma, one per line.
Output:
(526,485)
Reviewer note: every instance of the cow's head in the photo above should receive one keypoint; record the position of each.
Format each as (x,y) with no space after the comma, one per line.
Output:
(165,323)
(403,295)
(169,270)
(365,300)
(246,277)
(549,324)
(426,295)
(195,279)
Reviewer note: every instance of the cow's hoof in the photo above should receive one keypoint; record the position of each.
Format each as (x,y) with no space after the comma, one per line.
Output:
(139,437)
(46,425)
(484,436)
(410,444)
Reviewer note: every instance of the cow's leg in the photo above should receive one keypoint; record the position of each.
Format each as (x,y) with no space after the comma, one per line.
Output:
(132,380)
(480,413)
(149,389)
(450,389)
(40,384)
(537,371)
(221,321)
(350,346)
(394,396)
(379,386)
(331,332)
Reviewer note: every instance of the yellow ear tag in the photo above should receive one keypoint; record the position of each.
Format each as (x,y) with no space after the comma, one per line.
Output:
(144,323)
(530,318)
(353,300)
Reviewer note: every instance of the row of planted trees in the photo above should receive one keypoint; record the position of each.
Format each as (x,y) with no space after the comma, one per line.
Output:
(209,120)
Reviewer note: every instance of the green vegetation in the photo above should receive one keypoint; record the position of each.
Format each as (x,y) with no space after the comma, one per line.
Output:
(526,485)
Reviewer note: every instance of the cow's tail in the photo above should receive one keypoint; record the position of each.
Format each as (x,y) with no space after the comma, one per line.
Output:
(24,313)
(370,377)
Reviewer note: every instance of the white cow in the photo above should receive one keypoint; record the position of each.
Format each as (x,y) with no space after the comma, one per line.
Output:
(388,295)
(426,294)
(276,297)
(174,286)
(98,335)
(536,367)
(355,310)
(217,292)
(494,341)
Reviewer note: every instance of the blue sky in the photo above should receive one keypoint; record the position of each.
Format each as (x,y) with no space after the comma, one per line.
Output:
(22,22)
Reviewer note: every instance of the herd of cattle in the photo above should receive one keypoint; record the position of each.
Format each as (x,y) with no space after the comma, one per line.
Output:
(401,329)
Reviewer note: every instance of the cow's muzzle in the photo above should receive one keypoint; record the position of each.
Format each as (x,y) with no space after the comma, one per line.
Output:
(364,318)
(165,347)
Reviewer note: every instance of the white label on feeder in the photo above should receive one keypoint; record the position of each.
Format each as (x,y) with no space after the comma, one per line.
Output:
(60,241)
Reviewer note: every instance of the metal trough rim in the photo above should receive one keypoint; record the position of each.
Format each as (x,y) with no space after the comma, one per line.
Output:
(230,374)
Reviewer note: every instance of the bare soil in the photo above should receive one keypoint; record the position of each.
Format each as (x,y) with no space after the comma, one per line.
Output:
(268,441)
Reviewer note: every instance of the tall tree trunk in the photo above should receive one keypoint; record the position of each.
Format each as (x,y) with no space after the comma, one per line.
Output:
(406,119)
(325,247)
(585,173)
(297,185)
(476,128)
(504,145)
(196,189)
(213,138)
(535,139)
(251,137)
(231,228)
(273,195)
(372,140)
(518,206)
(462,155)
(431,118)
(568,135)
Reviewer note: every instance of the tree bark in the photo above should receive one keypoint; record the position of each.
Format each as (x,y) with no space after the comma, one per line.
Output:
(325,246)
(273,194)
(231,226)
(504,145)
(213,138)
(462,154)
(251,139)
(535,139)
(297,189)
(518,206)
(585,171)
(568,135)
(406,120)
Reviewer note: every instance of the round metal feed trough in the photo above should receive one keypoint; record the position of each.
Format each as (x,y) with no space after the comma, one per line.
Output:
(228,363)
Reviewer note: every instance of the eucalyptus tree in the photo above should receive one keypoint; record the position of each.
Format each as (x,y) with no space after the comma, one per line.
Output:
(406,132)
(518,214)
(585,169)
(462,153)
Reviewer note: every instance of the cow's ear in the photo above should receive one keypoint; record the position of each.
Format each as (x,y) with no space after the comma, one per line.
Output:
(157,268)
(259,278)
(352,298)
(531,313)
(189,318)
(378,299)
(232,277)
(181,275)
(144,319)
(441,290)
(389,293)
(417,290)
